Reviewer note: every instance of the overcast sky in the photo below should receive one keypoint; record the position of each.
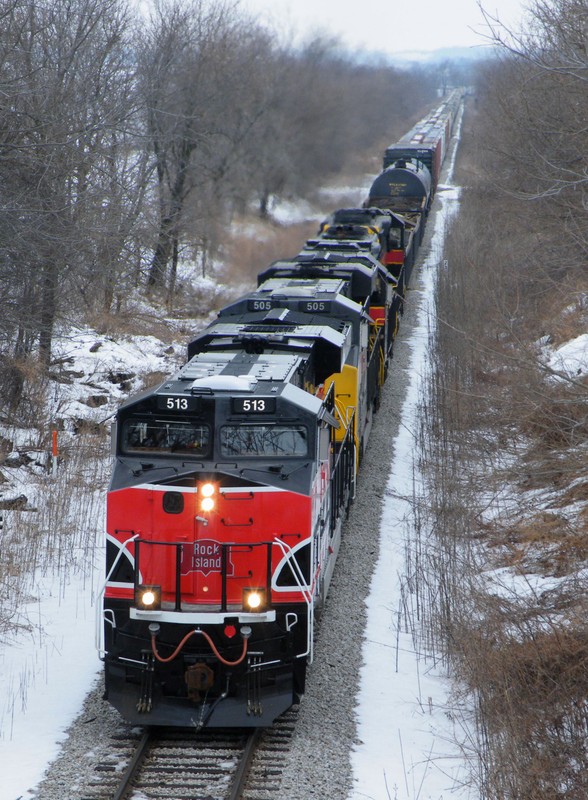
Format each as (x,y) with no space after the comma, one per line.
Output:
(391,26)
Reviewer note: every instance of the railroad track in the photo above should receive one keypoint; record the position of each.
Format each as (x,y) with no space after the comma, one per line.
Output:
(178,764)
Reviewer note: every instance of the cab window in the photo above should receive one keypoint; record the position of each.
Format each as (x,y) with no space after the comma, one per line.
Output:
(277,441)
(165,436)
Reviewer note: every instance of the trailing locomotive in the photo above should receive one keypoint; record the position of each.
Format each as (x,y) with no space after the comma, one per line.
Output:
(232,480)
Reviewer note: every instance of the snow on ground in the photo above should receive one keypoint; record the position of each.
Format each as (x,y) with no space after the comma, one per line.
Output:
(571,359)
(112,368)
(49,662)
(404,719)
(45,673)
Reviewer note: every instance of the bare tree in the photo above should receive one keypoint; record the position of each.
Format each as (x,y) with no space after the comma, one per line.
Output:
(544,88)
(64,88)
(505,431)
(232,117)
(199,66)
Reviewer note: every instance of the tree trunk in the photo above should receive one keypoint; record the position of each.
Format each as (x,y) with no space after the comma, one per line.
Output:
(168,227)
(48,311)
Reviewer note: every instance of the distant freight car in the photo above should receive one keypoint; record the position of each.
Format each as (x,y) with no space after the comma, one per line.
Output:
(427,142)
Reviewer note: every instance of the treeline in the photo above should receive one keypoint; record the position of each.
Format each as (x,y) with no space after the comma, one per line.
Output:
(506,463)
(130,140)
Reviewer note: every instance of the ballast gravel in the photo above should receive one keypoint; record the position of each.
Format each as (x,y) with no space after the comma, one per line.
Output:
(318,763)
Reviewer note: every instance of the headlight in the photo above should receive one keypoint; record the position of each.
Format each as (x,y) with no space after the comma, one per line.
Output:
(207,491)
(254,599)
(148,598)
(207,504)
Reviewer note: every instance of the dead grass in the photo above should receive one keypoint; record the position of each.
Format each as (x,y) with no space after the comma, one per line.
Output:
(569,316)
(504,454)
(60,530)
(133,320)
(151,379)
(577,493)
(246,256)
(532,703)
(543,543)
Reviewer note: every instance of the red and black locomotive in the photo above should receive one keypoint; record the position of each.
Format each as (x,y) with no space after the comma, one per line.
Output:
(232,480)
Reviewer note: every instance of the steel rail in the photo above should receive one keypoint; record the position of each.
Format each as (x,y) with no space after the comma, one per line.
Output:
(134,764)
(242,772)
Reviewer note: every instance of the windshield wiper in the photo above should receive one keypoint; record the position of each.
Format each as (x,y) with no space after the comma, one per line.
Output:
(277,468)
(150,467)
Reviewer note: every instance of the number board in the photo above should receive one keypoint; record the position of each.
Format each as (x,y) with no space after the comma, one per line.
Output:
(315,306)
(253,405)
(178,403)
(259,305)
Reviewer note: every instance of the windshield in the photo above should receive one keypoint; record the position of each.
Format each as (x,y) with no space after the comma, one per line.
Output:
(280,441)
(165,436)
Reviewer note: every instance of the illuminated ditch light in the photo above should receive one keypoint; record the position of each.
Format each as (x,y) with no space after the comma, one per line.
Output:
(148,598)
(254,599)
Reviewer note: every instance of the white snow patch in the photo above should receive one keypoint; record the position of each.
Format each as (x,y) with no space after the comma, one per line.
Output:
(407,740)
(45,674)
(571,358)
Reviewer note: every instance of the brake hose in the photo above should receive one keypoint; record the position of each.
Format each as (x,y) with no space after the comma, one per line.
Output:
(224,661)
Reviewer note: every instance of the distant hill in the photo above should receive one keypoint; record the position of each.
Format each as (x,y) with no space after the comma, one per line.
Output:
(410,58)
(455,54)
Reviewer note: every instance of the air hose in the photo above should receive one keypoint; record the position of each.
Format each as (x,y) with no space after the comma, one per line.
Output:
(245,633)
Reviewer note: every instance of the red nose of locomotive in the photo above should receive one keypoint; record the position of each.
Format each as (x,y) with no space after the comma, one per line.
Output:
(208,546)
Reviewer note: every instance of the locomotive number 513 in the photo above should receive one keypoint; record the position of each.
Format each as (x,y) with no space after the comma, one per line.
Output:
(254,405)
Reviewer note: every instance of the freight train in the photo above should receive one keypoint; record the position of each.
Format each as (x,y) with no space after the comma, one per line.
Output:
(232,479)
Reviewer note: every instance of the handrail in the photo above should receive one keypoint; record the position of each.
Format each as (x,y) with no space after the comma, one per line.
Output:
(343,473)
(99,632)
(305,591)
(226,549)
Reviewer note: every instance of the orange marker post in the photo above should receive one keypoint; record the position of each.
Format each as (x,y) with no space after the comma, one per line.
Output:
(54,452)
